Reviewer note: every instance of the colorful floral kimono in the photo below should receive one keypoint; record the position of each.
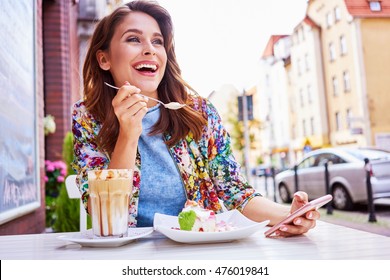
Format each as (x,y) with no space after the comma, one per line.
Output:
(208,169)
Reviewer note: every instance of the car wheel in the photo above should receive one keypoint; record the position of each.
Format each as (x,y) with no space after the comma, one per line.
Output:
(341,198)
(284,193)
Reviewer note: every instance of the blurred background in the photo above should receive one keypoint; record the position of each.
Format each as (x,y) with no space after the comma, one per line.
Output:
(288,77)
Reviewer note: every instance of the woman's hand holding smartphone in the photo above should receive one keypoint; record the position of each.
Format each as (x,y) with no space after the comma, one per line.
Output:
(312,205)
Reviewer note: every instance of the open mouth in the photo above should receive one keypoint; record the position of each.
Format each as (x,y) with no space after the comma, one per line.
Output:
(149,68)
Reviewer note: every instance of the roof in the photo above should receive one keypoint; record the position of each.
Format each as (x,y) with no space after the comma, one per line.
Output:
(269,49)
(307,20)
(361,8)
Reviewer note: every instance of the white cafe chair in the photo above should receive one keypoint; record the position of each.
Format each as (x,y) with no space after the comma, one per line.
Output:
(74,193)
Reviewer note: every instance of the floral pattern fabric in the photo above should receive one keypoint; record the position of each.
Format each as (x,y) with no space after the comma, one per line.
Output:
(208,169)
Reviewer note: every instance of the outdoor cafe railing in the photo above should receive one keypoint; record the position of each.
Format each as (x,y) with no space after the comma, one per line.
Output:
(370,196)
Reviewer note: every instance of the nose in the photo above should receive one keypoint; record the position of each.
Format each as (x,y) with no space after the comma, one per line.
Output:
(149,49)
(149,53)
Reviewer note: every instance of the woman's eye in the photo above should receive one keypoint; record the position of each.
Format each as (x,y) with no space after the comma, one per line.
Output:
(158,42)
(133,39)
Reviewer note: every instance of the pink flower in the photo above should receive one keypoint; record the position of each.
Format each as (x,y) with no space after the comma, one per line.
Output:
(63,172)
(50,167)
(60,179)
(46,179)
(59,164)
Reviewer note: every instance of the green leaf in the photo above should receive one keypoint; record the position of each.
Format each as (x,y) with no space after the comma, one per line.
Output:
(187,220)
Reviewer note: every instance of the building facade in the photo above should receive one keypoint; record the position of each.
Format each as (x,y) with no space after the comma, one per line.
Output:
(352,38)
(308,92)
(273,101)
(337,79)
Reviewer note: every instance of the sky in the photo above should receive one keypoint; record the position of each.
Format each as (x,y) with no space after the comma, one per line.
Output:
(220,42)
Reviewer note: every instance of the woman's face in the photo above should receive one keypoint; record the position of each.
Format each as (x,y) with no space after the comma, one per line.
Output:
(137,53)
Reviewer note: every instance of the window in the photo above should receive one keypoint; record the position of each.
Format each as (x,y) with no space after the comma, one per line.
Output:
(309,162)
(307,62)
(312,126)
(332,52)
(349,118)
(304,131)
(338,121)
(301,34)
(19,154)
(343,45)
(329,158)
(296,38)
(337,14)
(375,6)
(346,81)
(329,19)
(299,66)
(309,94)
(301,99)
(335,85)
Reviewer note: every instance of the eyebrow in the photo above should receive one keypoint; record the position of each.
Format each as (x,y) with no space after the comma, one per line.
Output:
(134,30)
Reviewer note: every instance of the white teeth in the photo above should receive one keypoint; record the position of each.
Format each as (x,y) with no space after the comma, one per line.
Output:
(151,66)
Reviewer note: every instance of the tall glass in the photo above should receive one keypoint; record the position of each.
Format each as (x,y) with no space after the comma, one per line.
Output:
(109,192)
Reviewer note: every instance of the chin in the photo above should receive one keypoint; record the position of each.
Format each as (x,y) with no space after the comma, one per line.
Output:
(147,87)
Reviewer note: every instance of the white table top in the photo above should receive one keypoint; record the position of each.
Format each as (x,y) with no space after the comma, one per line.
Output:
(325,242)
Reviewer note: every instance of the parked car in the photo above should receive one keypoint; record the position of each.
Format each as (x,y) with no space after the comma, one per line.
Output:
(347,175)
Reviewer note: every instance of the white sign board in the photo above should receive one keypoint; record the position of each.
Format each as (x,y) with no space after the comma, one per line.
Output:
(19,172)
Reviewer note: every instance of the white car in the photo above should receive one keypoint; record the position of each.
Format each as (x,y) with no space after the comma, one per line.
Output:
(347,175)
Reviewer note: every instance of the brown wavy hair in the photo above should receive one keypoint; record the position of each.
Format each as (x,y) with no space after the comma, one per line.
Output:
(98,97)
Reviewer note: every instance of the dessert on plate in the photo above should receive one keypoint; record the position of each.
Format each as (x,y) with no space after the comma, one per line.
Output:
(195,218)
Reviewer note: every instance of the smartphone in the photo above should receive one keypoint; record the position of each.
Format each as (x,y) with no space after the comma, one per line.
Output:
(314,204)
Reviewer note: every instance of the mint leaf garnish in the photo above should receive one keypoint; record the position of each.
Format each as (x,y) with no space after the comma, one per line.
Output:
(187,220)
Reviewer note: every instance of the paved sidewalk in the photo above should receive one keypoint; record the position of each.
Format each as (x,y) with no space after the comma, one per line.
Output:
(359,220)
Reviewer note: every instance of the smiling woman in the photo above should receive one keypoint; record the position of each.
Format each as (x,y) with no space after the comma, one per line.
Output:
(143,45)
(176,155)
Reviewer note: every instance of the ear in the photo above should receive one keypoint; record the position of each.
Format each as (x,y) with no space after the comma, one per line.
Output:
(103,61)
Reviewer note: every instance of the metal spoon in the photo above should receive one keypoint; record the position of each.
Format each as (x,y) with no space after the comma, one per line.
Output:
(170,105)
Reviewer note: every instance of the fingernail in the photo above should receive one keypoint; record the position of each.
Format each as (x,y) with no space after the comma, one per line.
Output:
(298,221)
(283,229)
(127,83)
(297,195)
(310,215)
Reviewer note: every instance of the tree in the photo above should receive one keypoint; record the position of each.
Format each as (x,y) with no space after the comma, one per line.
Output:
(236,130)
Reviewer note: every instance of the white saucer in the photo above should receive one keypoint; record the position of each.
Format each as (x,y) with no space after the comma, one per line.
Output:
(243,227)
(87,238)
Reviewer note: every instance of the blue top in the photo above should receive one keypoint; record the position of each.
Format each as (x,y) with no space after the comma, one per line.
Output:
(161,189)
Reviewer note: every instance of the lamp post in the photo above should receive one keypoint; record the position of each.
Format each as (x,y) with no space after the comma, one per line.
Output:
(246,135)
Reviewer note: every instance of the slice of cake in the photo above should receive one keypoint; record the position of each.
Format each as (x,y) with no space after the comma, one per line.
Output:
(195,218)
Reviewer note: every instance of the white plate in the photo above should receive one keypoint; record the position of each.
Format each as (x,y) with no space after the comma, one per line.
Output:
(87,238)
(244,227)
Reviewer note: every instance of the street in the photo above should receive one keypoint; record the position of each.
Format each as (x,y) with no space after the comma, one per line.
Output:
(358,218)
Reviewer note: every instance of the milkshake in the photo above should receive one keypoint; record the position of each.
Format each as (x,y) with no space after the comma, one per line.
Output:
(109,193)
